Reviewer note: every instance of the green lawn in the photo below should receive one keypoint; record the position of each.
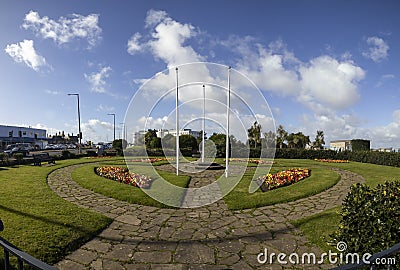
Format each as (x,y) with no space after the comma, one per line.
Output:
(86,177)
(37,220)
(317,228)
(321,179)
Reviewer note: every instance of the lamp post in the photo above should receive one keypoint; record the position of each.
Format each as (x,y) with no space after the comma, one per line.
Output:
(113,114)
(228,107)
(203,123)
(177,122)
(79,122)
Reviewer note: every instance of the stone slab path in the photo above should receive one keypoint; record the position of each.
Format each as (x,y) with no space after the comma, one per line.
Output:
(208,237)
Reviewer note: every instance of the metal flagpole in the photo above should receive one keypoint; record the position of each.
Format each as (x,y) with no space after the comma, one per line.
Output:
(228,105)
(177,124)
(204,124)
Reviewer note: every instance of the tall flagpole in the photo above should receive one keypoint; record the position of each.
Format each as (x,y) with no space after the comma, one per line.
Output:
(228,105)
(177,124)
(204,124)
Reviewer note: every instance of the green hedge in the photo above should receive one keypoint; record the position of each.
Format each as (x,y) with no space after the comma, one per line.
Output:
(370,218)
(380,158)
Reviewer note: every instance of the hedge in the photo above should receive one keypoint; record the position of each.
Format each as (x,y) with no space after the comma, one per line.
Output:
(370,219)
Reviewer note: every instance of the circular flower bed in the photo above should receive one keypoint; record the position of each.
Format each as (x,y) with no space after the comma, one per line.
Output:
(255,161)
(150,160)
(122,175)
(332,160)
(282,178)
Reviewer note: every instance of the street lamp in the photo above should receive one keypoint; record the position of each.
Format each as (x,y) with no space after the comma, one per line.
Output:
(113,114)
(79,122)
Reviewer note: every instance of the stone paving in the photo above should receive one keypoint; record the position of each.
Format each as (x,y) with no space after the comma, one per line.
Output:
(208,237)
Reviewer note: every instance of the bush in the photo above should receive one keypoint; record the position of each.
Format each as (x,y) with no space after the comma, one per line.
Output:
(91,153)
(19,157)
(4,158)
(65,154)
(370,218)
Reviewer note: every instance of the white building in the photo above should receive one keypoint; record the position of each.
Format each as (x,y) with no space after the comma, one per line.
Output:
(340,145)
(187,131)
(14,134)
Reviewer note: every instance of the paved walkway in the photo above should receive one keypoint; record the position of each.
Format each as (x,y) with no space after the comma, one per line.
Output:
(209,237)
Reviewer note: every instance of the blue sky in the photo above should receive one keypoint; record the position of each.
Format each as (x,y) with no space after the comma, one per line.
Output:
(329,65)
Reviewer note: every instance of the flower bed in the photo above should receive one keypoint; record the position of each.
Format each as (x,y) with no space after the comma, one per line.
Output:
(255,161)
(332,160)
(122,175)
(281,179)
(150,160)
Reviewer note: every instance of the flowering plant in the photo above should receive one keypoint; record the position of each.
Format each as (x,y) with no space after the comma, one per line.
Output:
(122,175)
(282,178)
(256,161)
(332,160)
(150,160)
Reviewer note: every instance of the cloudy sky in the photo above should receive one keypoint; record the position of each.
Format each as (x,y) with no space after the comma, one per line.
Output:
(327,65)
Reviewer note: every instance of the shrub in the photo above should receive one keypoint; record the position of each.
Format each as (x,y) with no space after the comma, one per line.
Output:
(370,218)
(4,158)
(65,154)
(91,153)
(18,157)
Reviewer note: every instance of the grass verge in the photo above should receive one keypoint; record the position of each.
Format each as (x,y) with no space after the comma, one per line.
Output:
(37,220)
(317,228)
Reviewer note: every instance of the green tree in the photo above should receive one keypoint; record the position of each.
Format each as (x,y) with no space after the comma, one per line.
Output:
(254,135)
(281,136)
(150,138)
(297,140)
(119,144)
(188,141)
(220,144)
(169,141)
(319,140)
(269,140)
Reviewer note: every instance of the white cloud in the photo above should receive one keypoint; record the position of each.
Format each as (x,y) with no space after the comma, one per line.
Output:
(97,80)
(25,52)
(167,40)
(328,81)
(154,17)
(96,130)
(105,108)
(378,49)
(133,44)
(65,29)
(52,92)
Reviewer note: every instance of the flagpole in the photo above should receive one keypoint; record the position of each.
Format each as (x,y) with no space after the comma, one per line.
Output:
(177,124)
(204,124)
(228,105)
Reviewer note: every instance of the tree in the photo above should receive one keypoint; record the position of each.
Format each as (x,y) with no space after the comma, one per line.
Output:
(220,143)
(281,136)
(119,144)
(297,140)
(188,141)
(269,140)
(319,140)
(150,138)
(254,135)
(169,141)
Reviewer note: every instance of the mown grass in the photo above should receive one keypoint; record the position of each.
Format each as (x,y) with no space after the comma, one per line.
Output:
(87,178)
(321,179)
(317,228)
(37,220)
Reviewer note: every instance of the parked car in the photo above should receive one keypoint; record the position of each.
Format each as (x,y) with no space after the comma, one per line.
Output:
(17,150)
